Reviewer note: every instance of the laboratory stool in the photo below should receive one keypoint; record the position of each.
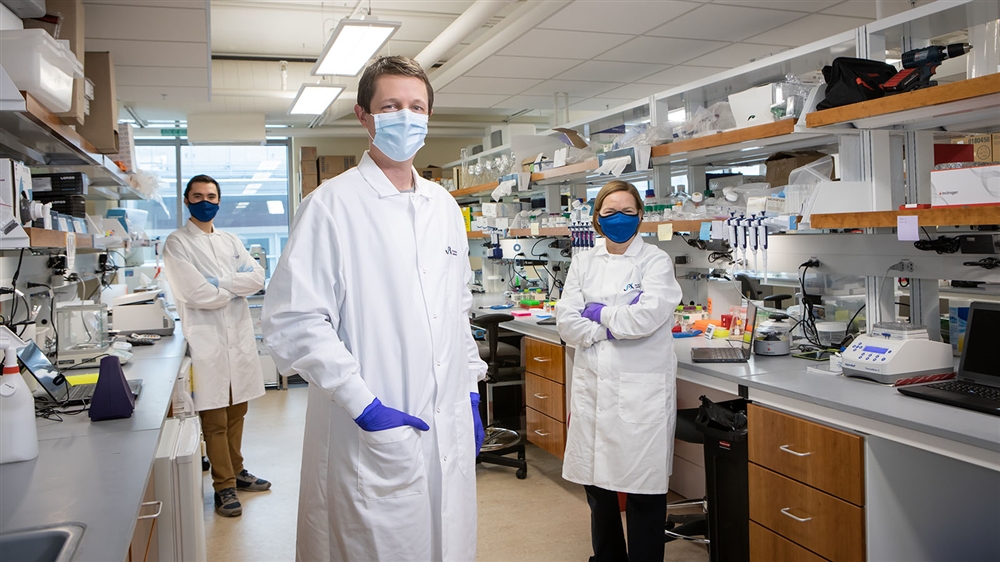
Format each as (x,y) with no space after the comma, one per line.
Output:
(689,527)
(503,369)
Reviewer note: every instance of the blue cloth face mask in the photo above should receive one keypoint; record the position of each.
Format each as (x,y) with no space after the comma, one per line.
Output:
(203,210)
(400,134)
(619,227)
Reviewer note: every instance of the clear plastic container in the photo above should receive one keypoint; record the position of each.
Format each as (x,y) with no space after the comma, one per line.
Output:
(40,65)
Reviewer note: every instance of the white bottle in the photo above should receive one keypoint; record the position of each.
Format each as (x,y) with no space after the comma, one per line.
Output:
(18,432)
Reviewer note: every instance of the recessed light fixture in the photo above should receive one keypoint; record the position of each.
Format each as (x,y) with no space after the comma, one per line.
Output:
(313,99)
(352,44)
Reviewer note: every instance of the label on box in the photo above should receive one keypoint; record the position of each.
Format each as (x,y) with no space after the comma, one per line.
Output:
(41,184)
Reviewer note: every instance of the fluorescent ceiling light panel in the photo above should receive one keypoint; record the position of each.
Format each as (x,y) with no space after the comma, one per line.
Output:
(313,99)
(275,208)
(352,45)
(251,189)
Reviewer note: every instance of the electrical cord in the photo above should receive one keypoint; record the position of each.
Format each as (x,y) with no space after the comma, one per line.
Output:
(717,256)
(985,263)
(943,244)
(808,314)
(13,286)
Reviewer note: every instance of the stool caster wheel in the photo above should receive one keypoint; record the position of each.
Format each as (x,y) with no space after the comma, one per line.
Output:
(205,465)
(521,473)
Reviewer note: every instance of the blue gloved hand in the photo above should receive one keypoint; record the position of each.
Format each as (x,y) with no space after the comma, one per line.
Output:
(477,422)
(213,281)
(592,312)
(636,299)
(245,269)
(377,417)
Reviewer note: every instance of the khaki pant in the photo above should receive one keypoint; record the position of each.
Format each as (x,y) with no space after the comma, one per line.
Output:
(223,431)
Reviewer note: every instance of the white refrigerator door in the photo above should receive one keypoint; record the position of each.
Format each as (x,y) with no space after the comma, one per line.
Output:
(179,487)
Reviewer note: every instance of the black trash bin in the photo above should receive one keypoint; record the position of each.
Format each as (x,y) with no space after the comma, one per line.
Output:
(724,425)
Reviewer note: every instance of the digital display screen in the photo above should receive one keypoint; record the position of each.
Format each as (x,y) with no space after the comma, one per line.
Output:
(874,349)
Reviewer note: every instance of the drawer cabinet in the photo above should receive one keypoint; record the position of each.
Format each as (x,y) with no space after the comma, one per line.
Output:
(545,394)
(806,484)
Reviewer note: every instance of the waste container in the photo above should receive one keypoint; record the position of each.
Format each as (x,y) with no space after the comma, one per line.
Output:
(724,425)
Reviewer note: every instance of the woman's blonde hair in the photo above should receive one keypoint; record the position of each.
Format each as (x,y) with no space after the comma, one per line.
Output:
(614,186)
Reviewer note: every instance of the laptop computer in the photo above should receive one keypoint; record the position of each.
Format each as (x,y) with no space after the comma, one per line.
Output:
(730,354)
(977,386)
(54,382)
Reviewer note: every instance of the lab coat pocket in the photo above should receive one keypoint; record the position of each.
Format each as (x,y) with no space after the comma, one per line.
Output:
(642,397)
(391,464)
(465,439)
(204,346)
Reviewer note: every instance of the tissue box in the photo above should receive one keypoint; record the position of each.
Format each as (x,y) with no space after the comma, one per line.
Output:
(977,185)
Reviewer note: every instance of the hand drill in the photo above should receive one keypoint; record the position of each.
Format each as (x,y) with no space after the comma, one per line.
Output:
(920,64)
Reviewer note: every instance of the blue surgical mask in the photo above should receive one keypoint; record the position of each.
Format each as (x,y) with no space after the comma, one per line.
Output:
(619,227)
(400,134)
(203,210)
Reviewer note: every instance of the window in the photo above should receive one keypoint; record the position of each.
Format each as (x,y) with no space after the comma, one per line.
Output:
(161,161)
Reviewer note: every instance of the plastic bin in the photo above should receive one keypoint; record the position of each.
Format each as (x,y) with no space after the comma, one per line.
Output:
(40,65)
(724,425)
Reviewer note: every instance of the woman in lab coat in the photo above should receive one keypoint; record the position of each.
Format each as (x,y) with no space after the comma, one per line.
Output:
(617,312)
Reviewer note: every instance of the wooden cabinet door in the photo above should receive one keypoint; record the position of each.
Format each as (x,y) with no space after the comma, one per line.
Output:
(814,454)
(545,396)
(546,432)
(766,546)
(544,359)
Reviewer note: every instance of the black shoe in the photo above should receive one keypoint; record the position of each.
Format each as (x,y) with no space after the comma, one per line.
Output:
(250,483)
(227,504)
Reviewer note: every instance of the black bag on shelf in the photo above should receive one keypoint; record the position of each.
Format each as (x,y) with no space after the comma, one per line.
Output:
(850,80)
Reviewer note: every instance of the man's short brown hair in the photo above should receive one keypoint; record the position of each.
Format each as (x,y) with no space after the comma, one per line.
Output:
(396,66)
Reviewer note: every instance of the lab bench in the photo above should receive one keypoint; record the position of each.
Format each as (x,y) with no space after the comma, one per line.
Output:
(930,473)
(96,474)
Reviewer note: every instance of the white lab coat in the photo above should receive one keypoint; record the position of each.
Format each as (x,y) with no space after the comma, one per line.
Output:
(622,407)
(216,320)
(370,299)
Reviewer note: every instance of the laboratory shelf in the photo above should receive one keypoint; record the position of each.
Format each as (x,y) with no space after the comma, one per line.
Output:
(43,238)
(473,234)
(40,139)
(739,145)
(942,216)
(968,105)
(568,174)
(645,227)
(475,190)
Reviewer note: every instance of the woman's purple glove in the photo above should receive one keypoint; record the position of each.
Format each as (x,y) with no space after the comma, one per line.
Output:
(477,422)
(377,417)
(592,312)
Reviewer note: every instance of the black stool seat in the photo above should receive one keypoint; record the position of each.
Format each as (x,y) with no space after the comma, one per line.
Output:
(504,350)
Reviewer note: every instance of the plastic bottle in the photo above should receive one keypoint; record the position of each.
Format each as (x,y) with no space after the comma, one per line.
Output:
(650,212)
(18,432)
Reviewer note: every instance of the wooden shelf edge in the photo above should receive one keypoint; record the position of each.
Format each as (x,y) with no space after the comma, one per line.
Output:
(977,215)
(42,238)
(937,95)
(567,170)
(476,234)
(767,130)
(475,190)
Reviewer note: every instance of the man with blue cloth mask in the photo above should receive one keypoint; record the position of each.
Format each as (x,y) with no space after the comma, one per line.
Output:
(370,304)
(210,275)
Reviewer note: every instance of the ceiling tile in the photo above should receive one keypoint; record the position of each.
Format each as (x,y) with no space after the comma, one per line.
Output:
(725,23)
(660,50)
(575,88)
(152,53)
(792,5)
(634,91)
(445,100)
(807,29)
(627,16)
(682,74)
(453,7)
(145,23)
(526,102)
(866,8)
(160,76)
(611,71)
(521,67)
(476,85)
(563,44)
(599,104)
(170,94)
(736,54)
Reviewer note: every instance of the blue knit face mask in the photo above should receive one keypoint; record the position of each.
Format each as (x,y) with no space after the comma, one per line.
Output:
(619,227)
(400,134)
(203,210)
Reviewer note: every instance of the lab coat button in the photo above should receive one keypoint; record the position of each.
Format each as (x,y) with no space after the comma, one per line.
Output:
(439,410)
(445,459)
(435,316)
(438,363)
(600,409)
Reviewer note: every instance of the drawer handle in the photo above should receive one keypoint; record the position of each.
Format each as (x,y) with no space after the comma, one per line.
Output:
(786,449)
(159,508)
(542,433)
(799,519)
(541,396)
(542,359)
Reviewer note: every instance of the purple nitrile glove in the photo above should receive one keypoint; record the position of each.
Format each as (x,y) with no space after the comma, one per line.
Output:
(477,422)
(592,312)
(377,417)
(636,299)
(610,335)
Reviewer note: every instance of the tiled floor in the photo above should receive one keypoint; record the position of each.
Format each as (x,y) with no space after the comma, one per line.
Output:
(541,518)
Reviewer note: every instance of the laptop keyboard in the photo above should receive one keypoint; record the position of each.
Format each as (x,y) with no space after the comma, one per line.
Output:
(724,353)
(980,390)
(82,392)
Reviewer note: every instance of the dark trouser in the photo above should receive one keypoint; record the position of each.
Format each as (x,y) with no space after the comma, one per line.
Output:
(223,431)
(645,515)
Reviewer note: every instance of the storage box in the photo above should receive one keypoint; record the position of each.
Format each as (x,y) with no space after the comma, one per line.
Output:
(309,167)
(952,153)
(753,107)
(307,153)
(40,65)
(975,185)
(101,126)
(66,183)
(126,147)
(309,184)
(333,166)
(780,165)
(982,147)
(70,29)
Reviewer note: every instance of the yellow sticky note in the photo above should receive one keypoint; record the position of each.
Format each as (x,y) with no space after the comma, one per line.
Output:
(664,231)
(534,229)
(86,378)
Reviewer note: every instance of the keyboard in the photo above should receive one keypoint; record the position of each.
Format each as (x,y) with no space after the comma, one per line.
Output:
(717,355)
(980,390)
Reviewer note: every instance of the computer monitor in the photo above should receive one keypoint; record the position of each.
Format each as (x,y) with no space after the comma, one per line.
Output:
(982,332)
(44,371)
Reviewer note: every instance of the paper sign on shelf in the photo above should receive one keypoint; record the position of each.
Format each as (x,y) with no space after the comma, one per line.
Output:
(907,228)
(664,232)
(706,231)
(534,229)
(559,159)
(718,230)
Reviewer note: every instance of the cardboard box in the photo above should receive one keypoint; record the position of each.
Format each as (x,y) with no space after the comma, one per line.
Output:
(975,185)
(101,126)
(780,165)
(307,153)
(309,167)
(982,147)
(952,153)
(70,29)
(996,147)
(126,147)
(333,166)
(309,184)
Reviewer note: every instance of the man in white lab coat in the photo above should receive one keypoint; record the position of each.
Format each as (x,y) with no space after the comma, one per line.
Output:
(210,275)
(369,303)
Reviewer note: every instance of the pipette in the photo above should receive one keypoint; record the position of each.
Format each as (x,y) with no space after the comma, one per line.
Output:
(731,223)
(752,228)
(762,242)
(741,233)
